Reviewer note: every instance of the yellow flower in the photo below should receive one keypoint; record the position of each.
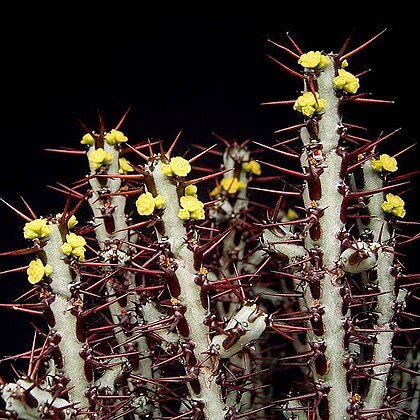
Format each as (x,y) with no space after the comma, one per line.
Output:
(180,166)
(314,60)
(199,214)
(252,166)
(99,157)
(308,104)
(384,163)
(191,190)
(75,240)
(344,64)
(291,214)
(232,185)
(36,271)
(145,204)
(184,214)
(216,191)
(320,106)
(125,166)
(87,139)
(37,228)
(66,248)
(346,81)
(115,137)
(79,252)
(166,169)
(71,223)
(74,245)
(191,203)
(159,201)
(308,111)
(394,205)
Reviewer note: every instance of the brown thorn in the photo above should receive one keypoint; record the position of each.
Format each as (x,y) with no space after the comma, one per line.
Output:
(222,139)
(171,148)
(345,44)
(288,69)
(19,213)
(293,54)
(286,102)
(361,47)
(294,43)
(143,156)
(292,127)
(123,118)
(201,154)
(287,193)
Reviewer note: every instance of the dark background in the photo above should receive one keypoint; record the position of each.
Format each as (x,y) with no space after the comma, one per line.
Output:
(196,73)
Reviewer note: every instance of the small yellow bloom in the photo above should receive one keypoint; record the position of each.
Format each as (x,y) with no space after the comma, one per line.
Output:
(191,203)
(384,163)
(198,214)
(66,248)
(74,245)
(159,201)
(320,106)
(344,64)
(191,190)
(125,166)
(180,166)
(216,191)
(308,111)
(394,205)
(308,104)
(36,271)
(71,223)
(48,270)
(79,252)
(37,228)
(145,204)
(314,60)
(291,214)
(87,139)
(99,157)
(166,169)
(252,166)
(232,185)
(115,137)
(184,214)
(75,240)
(346,81)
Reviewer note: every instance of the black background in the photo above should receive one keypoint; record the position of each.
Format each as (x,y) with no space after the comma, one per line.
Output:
(197,73)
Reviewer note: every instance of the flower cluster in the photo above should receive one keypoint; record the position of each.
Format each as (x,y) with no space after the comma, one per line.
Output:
(37,228)
(394,205)
(346,81)
(115,137)
(252,167)
(75,246)
(385,163)
(125,166)
(191,206)
(98,158)
(176,166)
(37,271)
(229,185)
(314,60)
(309,104)
(146,203)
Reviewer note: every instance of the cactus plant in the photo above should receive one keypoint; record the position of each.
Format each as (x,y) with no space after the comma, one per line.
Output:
(243,280)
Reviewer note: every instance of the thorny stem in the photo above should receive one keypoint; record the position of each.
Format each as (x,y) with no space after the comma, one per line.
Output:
(175,234)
